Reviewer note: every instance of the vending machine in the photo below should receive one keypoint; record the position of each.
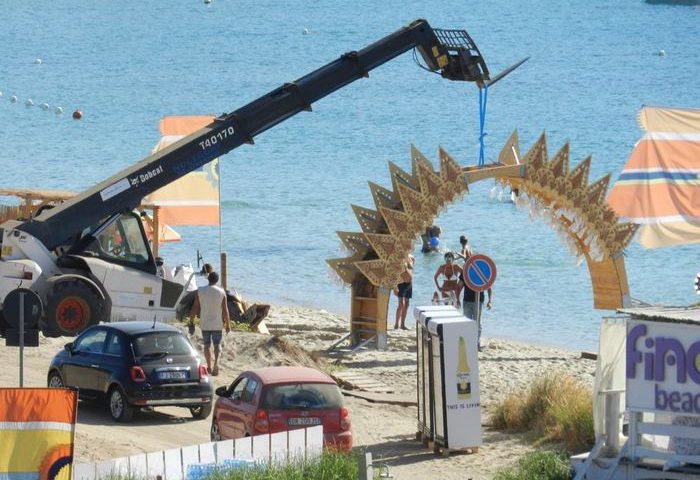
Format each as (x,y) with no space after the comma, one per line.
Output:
(449,409)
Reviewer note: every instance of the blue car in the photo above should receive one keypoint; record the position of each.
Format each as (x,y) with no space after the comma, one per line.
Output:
(132,365)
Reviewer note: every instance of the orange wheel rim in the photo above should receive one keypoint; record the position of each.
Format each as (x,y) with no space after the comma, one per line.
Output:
(72,313)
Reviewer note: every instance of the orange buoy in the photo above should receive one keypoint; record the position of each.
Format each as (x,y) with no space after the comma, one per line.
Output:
(77,115)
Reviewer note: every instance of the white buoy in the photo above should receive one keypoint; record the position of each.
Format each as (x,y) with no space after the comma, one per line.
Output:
(29,103)
(661,53)
(59,110)
(45,106)
(0,94)
(37,61)
(13,99)
(305,31)
(207,2)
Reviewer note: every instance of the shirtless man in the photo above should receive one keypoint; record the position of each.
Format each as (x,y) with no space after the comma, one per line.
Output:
(211,307)
(466,251)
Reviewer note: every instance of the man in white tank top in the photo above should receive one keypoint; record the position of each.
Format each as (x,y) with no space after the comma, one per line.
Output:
(211,308)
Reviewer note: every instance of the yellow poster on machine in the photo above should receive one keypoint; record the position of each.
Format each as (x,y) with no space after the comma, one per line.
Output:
(37,428)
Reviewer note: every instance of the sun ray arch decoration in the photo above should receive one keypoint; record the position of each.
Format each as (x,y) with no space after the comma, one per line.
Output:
(575,208)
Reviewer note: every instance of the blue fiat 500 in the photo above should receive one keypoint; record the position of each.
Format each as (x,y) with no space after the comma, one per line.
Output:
(132,365)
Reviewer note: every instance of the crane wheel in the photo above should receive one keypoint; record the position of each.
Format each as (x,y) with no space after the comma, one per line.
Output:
(72,307)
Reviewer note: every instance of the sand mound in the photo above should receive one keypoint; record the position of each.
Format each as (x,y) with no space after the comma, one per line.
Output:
(246,351)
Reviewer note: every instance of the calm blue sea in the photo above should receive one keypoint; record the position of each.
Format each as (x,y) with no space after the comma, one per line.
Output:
(126,64)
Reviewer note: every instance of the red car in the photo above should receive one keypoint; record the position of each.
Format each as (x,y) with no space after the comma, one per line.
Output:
(277,399)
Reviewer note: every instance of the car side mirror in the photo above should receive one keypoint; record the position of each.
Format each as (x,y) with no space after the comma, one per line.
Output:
(221,391)
(69,347)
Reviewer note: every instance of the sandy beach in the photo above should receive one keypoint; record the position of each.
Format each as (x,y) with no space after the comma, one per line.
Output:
(298,336)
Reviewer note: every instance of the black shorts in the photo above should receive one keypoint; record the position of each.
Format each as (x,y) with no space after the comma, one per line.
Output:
(405,290)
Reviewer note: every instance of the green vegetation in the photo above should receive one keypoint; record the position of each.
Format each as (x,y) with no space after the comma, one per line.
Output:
(330,466)
(241,327)
(555,409)
(236,326)
(541,465)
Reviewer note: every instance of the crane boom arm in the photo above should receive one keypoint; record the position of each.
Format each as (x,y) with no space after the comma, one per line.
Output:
(450,52)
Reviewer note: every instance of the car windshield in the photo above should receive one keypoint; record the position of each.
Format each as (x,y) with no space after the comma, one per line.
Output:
(161,343)
(303,395)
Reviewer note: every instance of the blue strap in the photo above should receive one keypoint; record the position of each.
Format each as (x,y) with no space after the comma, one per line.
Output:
(483,97)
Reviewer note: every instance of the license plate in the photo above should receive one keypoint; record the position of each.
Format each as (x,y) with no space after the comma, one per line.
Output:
(305,421)
(172,375)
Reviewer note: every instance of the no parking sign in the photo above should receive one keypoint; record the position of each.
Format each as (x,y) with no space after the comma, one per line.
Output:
(479,272)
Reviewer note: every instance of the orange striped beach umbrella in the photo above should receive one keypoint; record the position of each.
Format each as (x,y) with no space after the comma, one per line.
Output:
(659,188)
(37,428)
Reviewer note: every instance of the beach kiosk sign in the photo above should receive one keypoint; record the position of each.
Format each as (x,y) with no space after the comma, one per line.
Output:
(449,405)
(663,367)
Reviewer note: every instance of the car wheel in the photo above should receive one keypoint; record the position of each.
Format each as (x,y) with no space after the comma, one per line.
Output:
(215,434)
(72,307)
(55,380)
(201,411)
(118,406)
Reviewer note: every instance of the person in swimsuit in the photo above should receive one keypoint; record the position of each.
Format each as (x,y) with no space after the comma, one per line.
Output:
(404,292)
(466,251)
(449,272)
(431,239)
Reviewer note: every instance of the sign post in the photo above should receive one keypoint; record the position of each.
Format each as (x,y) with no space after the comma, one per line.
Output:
(479,274)
(22,309)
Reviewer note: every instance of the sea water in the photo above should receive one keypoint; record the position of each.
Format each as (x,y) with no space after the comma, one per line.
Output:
(127,64)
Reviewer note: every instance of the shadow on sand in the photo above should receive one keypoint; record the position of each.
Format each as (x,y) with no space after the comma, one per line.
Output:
(92,413)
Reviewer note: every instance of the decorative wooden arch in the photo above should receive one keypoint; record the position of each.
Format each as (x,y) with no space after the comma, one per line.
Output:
(402,214)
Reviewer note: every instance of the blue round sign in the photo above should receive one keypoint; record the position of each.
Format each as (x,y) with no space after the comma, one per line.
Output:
(479,272)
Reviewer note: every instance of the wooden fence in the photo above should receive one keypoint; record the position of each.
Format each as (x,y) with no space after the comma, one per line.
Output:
(295,445)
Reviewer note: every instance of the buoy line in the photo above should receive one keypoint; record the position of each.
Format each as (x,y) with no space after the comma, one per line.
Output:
(44,106)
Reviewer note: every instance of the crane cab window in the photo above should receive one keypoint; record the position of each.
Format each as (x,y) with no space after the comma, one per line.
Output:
(122,240)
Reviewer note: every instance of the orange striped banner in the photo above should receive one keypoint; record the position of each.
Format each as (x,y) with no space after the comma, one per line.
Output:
(37,429)
(194,198)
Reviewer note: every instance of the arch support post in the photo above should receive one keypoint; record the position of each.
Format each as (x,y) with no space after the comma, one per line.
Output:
(369,309)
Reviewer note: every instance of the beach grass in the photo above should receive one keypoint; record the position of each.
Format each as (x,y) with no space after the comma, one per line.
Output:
(331,465)
(555,409)
(540,465)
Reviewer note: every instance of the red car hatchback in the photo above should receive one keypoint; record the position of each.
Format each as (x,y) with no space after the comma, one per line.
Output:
(277,399)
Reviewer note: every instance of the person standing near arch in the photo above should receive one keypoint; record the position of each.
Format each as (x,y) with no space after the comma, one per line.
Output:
(449,272)
(469,306)
(404,292)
